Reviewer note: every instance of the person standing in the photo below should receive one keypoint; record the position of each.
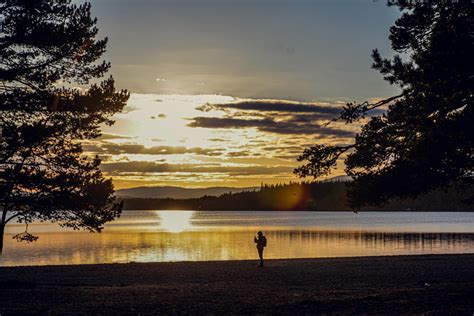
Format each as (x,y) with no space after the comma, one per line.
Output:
(261,242)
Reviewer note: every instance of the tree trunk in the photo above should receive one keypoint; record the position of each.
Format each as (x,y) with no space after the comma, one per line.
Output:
(2,230)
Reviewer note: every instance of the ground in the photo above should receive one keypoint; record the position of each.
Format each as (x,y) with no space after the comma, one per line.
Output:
(429,285)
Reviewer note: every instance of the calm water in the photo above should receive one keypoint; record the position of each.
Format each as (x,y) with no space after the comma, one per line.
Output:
(145,236)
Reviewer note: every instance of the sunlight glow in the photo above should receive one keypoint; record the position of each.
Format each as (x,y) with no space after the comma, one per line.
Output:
(175,221)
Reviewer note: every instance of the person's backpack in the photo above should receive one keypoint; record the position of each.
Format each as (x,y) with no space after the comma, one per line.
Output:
(264,241)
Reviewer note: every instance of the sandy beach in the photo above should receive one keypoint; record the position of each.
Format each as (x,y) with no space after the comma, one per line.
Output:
(429,285)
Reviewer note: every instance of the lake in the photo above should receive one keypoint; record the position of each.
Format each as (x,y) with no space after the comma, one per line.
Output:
(154,236)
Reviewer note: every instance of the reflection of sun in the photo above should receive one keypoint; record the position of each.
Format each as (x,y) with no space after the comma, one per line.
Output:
(175,221)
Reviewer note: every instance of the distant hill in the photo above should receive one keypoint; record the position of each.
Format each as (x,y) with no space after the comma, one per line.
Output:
(315,196)
(177,192)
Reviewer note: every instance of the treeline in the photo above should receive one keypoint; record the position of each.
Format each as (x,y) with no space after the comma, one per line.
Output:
(315,196)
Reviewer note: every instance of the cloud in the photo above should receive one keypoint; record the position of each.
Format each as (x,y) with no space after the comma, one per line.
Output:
(117,149)
(143,167)
(243,153)
(271,126)
(282,148)
(288,157)
(215,122)
(105,136)
(216,140)
(161,116)
(324,110)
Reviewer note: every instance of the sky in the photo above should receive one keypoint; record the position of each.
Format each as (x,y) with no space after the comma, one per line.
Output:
(230,92)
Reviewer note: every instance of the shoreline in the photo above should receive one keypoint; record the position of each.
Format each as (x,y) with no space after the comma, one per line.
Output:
(236,261)
(310,211)
(413,284)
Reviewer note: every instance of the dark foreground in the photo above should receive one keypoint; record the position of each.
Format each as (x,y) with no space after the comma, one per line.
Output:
(373,285)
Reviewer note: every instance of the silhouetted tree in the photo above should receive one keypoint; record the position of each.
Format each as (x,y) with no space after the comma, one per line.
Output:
(47,47)
(425,138)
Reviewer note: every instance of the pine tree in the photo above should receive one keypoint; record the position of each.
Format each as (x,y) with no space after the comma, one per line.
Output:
(424,140)
(47,47)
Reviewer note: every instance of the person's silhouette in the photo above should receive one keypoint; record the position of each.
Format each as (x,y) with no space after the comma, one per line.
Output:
(261,242)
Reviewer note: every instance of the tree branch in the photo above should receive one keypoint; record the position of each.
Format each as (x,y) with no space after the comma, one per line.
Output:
(321,159)
(11,217)
(353,112)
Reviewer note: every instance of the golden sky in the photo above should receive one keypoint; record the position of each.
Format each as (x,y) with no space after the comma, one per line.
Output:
(213,140)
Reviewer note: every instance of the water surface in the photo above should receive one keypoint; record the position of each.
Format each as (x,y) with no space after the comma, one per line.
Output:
(149,236)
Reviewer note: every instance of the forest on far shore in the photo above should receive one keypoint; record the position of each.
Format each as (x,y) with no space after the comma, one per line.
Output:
(313,196)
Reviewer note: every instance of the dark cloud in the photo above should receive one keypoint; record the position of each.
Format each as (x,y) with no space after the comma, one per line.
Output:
(150,167)
(323,111)
(243,153)
(217,140)
(161,116)
(282,148)
(269,125)
(105,136)
(288,157)
(214,122)
(117,149)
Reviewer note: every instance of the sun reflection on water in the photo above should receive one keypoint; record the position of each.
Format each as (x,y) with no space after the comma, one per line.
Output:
(175,221)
